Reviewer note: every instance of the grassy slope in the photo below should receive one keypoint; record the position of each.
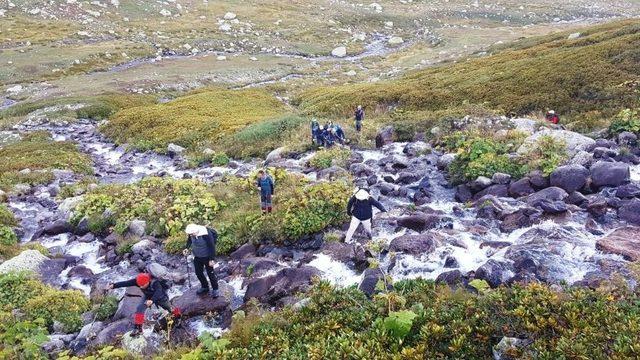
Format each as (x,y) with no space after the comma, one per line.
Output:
(38,153)
(571,76)
(190,120)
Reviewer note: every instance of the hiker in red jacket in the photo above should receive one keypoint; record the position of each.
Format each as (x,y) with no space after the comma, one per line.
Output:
(552,117)
(154,293)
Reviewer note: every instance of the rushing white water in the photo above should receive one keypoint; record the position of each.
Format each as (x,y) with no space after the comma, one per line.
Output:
(88,252)
(635,173)
(335,272)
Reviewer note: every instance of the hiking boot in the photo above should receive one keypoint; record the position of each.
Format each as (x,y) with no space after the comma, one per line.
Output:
(215,293)
(136,332)
(202,291)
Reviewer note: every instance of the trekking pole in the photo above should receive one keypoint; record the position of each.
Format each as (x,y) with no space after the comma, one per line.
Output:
(186,262)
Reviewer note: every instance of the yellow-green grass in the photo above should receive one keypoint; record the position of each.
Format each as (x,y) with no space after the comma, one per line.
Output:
(38,153)
(20,30)
(204,116)
(571,76)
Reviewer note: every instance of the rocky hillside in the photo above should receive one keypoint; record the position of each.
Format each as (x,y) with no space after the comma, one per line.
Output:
(505,236)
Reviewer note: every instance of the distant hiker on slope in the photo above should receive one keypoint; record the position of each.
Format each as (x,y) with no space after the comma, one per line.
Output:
(154,291)
(552,117)
(202,242)
(359,115)
(267,191)
(360,208)
(315,130)
(339,134)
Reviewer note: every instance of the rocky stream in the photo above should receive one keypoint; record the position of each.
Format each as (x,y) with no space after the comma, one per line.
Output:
(575,226)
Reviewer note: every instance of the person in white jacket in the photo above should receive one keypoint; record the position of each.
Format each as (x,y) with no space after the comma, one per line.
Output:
(360,208)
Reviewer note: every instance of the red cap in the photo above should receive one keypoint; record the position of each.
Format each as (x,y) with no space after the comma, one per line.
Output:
(143,279)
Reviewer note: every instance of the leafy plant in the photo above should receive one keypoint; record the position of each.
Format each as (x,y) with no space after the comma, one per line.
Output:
(326,158)
(626,120)
(399,323)
(20,338)
(63,306)
(106,308)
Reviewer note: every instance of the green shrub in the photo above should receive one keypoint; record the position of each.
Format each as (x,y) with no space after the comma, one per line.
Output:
(63,306)
(37,247)
(626,120)
(8,242)
(175,244)
(326,158)
(6,217)
(20,338)
(18,288)
(106,308)
(547,155)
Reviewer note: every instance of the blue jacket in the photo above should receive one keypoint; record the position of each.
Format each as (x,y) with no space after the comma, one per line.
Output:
(266,185)
(203,246)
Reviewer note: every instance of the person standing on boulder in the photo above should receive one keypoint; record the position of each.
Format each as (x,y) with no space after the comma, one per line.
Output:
(359,118)
(552,117)
(267,191)
(360,208)
(202,242)
(154,292)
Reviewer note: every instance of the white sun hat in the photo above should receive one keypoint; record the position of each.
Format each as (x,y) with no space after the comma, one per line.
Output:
(196,230)
(362,194)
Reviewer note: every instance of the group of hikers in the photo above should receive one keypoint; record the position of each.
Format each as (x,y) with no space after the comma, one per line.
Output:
(201,240)
(329,134)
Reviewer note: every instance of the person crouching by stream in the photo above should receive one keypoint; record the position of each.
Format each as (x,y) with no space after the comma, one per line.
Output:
(360,208)
(267,191)
(202,242)
(154,293)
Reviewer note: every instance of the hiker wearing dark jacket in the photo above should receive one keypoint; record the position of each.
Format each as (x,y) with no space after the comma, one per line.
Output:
(360,208)
(315,128)
(153,291)
(339,134)
(359,115)
(267,191)
(202,242)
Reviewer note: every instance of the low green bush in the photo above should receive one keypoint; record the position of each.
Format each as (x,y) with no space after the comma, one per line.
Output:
(6,216)
(626,120)
(21,338)
(8,242)
(175,244)
(106,308)
(63,306)
(424,320)
(326,158)
(18,288)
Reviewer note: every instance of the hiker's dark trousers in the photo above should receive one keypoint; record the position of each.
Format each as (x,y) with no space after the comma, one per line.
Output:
(200,264)
(138,317)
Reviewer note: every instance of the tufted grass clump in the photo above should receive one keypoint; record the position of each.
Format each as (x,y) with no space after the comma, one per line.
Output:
(38,153)
(326,158)
(205,116)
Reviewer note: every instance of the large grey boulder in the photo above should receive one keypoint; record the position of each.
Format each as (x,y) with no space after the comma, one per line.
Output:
(384,136)
(569,177)
(624,241)
(285,282)
(28,260)
(605,173)
(549,194)
(629,212)
(416,245)
(574,142)
(159,271)
(127,306)
(111,332)
(192,304)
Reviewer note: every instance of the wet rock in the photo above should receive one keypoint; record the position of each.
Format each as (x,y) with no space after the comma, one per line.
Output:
(569,177)
(416,245)
(91,330)
(624,241)
(144,346)
(597,206)
(192,304)
(162,272)
(361,170)
(493,190)
(350,254)
(416,148)
(243,251)
(53,346)
(604,153)
(479,184)
(87,238)
(463,193)
(627,138)
(537,180)
(370,279)
(372,180)
(111,239)
(451,262)
(111,332)
(174,150)
(452,278)
(407,177)
(629,212)
(127,306)
(496,245)
(552,207)
(28,260)
(583,158)
(574,141)
(137,228)
(550,194)
(628,191)
(520,188)
(420,221)
(58,227)
(332,173)
(286,282)
(386,189)
(609,174)
(81,272)
(576,198)
(501,179)
(384,136)
(445,160)
(275,155)
(510,345)
(258,266)
(494,273)
(143,246)
(394,162)
(50,270)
